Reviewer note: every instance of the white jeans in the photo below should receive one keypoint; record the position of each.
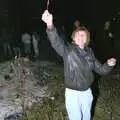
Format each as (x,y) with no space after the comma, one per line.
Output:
(78,104)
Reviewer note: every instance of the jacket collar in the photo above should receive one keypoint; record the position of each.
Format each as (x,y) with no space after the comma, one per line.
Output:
(83,52)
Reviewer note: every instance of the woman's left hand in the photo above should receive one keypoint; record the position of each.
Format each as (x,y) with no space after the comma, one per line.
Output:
(111,62)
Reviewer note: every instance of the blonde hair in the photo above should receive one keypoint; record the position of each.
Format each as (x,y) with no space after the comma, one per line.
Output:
(81,28)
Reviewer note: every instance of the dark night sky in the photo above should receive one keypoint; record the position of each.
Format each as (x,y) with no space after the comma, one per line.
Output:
(88,12)
(91,12)
(26,14)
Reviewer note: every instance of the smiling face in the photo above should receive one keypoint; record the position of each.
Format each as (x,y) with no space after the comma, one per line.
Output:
(80,38)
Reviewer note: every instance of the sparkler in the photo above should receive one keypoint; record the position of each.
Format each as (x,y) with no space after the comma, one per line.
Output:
(48,2)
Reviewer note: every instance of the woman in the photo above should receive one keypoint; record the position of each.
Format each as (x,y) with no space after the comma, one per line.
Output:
(79,63)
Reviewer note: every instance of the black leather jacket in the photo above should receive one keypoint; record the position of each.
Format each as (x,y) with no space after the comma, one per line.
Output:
(78,64)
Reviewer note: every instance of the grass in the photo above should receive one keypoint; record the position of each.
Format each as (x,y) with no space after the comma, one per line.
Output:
(53,107)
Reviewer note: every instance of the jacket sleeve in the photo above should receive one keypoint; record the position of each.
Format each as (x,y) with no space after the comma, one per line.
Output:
(101,69)
(56,41)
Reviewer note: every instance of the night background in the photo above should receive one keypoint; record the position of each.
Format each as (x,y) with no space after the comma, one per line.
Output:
(44,68)
(18,16)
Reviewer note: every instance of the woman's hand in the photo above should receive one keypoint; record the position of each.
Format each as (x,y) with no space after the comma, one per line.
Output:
(47,18)
(111,62)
